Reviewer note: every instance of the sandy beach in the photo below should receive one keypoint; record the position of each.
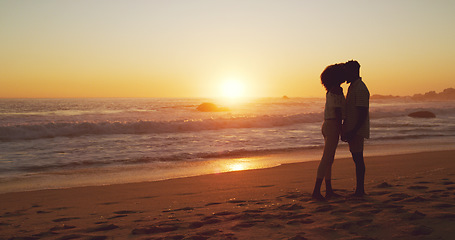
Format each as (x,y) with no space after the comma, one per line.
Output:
(410,196)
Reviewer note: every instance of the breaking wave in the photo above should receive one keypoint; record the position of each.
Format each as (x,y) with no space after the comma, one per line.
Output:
(74,129)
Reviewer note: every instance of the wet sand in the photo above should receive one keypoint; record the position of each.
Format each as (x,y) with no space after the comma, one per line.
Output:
(410,196)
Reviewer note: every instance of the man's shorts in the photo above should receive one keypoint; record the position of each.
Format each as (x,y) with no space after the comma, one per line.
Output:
(356,144)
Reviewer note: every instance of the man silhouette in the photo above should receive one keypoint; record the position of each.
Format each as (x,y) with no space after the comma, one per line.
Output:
(356,126)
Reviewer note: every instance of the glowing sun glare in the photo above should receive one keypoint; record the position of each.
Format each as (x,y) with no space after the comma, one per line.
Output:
(232,89)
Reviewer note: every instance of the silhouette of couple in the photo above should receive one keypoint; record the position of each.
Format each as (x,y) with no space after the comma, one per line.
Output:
(346,117)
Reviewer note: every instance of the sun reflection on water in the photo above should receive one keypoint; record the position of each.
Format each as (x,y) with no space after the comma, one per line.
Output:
(239,165)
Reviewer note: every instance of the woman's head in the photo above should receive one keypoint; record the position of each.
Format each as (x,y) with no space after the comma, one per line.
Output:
(333,76)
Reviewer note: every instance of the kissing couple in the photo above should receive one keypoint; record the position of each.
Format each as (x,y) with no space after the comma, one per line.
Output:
(347,118)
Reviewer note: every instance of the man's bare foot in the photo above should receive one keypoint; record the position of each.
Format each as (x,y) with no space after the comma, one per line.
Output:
(357,195)
(360,194)
(318,197)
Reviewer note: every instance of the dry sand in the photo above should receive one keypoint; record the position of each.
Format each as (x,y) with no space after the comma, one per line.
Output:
(410,196)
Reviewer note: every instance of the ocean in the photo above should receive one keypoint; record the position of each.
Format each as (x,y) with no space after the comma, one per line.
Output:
(58,143)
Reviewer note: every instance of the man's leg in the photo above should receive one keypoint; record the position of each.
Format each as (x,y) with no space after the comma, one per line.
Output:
(360,173)
(356,147)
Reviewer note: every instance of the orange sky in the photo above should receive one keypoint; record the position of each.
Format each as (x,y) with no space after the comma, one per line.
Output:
(189,48)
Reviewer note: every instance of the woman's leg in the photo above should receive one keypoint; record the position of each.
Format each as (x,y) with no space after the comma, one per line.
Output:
(331,137)
(332,142)
(328,179)
(321,169)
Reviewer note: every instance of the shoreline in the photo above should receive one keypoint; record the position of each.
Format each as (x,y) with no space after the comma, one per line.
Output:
(62,179)
(409,196)
(286,156)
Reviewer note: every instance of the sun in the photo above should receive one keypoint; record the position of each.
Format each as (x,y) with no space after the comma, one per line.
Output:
(232,89)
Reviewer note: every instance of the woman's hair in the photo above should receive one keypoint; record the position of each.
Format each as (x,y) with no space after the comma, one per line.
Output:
(333,75)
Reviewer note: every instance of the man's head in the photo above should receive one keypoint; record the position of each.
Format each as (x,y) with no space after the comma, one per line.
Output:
(352,69)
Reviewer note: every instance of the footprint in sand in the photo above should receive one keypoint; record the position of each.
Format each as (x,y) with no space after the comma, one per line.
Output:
(443,205)
(42,212)
(196,237)
(126,212)
(68,237)
(98,238)
(209,232)
(246,224)
(324,208)
(106,227)
(163,228)
(450,216)
(233,200)
(298,237)
(360,214)
(417,187)
(179,209)
(65,219)
(341,212)
(210,220)
(392,206)
(14,214)
(350,224)
(423,182)
(117,216)
(109,203)
(224,213)
(245,216)
(228,236)
(415,215)
(254,211)
(298,222)
(195,225)
(436,191)
(343,225)
(291,207)
(294,195)
(147,197)
(384,185)
(211,204)
(62,227)
(399,196)
(379,193)
(60,208)
(421,230)
(417,199)
(102,222)
(185,194)
(265,186)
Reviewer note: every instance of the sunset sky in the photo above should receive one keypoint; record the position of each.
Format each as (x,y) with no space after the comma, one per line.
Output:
(104,48)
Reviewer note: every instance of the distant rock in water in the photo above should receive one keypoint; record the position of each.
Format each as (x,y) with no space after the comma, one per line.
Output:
(285,97)
(422,114)
(211,107)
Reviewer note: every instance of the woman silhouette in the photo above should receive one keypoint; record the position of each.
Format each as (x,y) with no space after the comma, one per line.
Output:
(331,78)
